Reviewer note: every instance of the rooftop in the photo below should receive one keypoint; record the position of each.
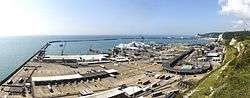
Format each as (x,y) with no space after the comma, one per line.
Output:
(56,78)
(77,57)
(105,94)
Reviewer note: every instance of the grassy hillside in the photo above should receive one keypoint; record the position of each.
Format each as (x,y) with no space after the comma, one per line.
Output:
(214,80)
(239,35)
(232,80)
(237,81)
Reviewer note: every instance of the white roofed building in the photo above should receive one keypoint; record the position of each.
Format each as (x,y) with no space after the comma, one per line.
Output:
(127,92)
(56,78)
(213,54)
(131,90)
(77,57)
(112,93)
(132,46)
(89,59)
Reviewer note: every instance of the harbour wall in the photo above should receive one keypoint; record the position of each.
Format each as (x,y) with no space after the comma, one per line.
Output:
(20,67)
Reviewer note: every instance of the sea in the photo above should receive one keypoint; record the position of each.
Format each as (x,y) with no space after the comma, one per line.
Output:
(14,51)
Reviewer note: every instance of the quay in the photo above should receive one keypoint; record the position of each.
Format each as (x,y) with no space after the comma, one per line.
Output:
(22,65)
(129,70)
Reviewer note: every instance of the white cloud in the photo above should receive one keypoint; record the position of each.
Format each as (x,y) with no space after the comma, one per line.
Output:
(238,24)
(238,8)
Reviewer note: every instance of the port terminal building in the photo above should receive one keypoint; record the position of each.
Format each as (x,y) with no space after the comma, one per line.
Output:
(71,78)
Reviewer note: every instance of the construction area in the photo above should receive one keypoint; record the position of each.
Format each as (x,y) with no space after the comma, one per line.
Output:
(129,70)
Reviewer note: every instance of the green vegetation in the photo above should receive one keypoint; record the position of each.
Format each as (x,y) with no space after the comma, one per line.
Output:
(239,35)
(208,84)
(237,83)
(232,80)
(211,35)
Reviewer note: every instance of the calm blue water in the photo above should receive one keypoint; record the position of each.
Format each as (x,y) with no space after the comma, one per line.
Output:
(15,50)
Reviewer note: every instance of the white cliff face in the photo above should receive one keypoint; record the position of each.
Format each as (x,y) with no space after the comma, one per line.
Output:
(220,38)
(233,42)
(239,46)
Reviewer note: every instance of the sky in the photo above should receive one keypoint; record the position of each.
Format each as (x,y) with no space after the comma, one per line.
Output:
(121,17)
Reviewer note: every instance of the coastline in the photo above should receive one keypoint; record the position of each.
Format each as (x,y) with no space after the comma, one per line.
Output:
(22,65)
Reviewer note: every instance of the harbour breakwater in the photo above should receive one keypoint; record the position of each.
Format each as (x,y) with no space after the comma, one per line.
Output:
(22,65)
